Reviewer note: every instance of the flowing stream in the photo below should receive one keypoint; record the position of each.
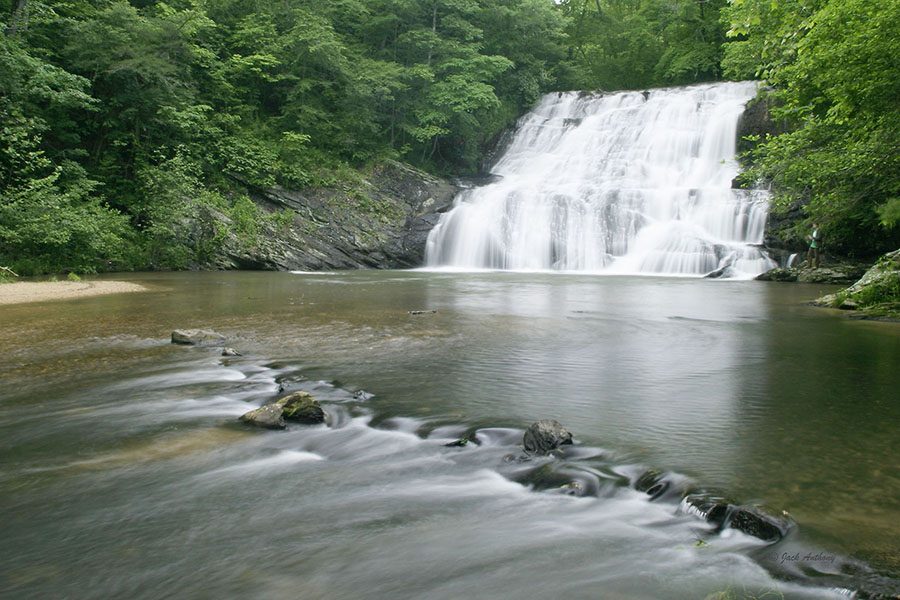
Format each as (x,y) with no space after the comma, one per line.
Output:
(125,474)
(627,183)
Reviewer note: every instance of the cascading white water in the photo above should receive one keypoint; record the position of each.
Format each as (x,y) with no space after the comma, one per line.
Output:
(629,182)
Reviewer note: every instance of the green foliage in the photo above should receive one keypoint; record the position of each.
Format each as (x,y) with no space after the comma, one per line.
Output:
(7,275)
(833,64)
(73,276)
(633,44)
(282,220)
(129,129)
(886,290)
(889,212)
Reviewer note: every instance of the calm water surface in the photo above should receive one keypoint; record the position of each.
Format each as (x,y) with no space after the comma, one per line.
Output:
(124,473)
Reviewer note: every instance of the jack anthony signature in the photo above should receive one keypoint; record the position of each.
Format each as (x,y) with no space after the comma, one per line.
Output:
(808,557)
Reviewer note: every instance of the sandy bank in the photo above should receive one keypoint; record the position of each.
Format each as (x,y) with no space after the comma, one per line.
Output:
(39,291)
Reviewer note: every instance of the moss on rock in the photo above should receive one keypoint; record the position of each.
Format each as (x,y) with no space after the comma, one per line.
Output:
(875,295)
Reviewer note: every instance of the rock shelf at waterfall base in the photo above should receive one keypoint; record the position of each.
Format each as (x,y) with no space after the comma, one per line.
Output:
(23,292)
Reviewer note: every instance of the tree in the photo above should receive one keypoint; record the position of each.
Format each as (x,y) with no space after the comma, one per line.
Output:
(833,66)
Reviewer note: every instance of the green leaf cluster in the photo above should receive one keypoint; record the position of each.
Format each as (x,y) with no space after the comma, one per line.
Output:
(635,44)
(833,65)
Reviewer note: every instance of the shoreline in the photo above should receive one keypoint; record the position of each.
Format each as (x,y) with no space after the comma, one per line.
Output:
(25,292)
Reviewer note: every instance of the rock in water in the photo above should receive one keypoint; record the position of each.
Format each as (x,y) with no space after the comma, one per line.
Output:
(778,274)
(197,337)
(230,352)
(753,521)
(544,436)
(302,408)
(268,416)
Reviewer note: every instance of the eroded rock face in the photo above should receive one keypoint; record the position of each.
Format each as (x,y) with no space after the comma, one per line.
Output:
(321,228)
(544,436)
(197,337)
(302,408)
(267,416)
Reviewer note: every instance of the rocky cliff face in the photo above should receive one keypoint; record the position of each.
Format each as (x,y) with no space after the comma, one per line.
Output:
(381,222)
(781,238)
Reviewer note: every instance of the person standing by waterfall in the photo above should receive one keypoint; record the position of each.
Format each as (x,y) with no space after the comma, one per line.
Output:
(812,255)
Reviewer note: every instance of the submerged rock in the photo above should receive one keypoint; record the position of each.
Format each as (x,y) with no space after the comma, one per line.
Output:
(460,443)
(652,483)
(302,408)
(544,436)
(725,272)
(659,485)
(708,507)
(230,352)
(268,416)
(197,337)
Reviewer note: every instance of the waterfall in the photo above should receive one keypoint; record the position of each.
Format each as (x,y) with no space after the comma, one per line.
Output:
(629,182)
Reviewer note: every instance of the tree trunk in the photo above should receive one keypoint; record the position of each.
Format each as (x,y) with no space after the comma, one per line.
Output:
(18,20)
(433,29)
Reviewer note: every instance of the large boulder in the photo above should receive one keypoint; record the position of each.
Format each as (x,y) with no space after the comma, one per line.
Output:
(197,337)
(302,408)
(268,416)
(544,436)
(876,293)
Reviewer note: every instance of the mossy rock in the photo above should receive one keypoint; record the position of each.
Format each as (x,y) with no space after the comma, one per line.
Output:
(544,436)
(876,294)
(197,337)
(301,407)
(268,416)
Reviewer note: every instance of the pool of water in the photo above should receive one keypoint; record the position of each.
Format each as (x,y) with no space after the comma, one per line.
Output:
(125,472)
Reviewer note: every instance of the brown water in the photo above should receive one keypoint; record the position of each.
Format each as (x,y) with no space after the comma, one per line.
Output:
(124,474)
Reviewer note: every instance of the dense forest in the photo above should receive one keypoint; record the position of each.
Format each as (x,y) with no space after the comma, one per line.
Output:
(119,119)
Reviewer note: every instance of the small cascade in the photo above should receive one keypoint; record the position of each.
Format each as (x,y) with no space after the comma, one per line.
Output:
(630,183)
